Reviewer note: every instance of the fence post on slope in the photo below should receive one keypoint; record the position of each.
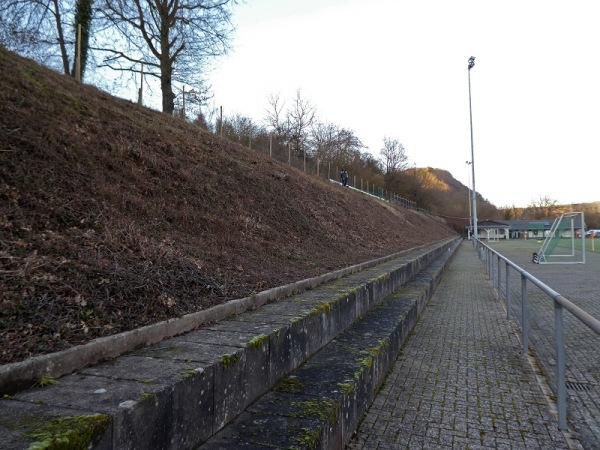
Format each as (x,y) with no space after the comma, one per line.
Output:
(221,119)
(141,89)
(271,145)
(304,156)
(183,102)
(289,154)
(78,51)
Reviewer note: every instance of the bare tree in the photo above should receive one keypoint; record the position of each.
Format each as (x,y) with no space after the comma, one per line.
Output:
(276,118)
(174,39)
(509,212)
(334,144)
(324,140)
(349,145)
(237,127)
(394,155)
(46,30)
(543,208)
(300,118)
(291,126)
(36,29)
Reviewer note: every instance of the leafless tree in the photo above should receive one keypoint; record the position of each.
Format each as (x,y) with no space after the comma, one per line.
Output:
(46,30)
(335,144)
(237,127)
(349,145)
(276,118)
(36,29)
(324,140)
(300,117)
(543,208)
(174,39)
(394,155)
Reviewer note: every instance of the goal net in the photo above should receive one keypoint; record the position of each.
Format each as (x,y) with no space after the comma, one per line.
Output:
(564,244)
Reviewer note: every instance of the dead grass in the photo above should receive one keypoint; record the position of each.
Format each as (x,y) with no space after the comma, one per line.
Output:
(114,216)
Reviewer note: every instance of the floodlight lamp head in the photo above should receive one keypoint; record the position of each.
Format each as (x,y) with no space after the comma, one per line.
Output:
(471,62)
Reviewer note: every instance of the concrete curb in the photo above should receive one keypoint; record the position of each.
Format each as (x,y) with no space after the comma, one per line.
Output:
(321,404)
(22,375)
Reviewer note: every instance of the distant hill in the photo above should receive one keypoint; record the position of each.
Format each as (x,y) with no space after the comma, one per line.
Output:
(114,216)
(438,191)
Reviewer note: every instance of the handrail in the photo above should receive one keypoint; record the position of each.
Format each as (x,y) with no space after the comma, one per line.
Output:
(560,303)
(586,318)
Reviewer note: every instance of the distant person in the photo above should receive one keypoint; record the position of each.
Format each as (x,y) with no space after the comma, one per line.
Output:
(344,177)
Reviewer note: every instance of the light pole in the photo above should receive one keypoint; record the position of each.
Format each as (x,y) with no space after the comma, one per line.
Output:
(474,191)
(469,200)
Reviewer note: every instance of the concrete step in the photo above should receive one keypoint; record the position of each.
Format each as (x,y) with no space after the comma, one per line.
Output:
(321,403)
(177,393)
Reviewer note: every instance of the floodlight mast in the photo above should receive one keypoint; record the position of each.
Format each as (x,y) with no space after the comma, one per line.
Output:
(474,191)
(470,229)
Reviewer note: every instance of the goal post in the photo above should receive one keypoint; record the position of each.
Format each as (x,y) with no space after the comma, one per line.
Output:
(562,245)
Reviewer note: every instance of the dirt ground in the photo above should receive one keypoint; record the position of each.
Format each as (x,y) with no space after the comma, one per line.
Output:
(113,216)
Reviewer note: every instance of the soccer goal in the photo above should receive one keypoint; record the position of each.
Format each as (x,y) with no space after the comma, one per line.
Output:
(562,244)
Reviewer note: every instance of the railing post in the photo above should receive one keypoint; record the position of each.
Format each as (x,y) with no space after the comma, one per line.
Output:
(560,366)
(524,315)
(507,291)
(499,270)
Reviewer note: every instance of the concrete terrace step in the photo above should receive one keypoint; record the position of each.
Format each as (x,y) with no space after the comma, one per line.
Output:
(177,393)
(320,404)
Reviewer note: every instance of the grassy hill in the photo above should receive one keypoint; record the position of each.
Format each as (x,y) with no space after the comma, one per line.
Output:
(113,216)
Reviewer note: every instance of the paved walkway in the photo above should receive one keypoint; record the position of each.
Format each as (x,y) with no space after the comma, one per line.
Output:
(460,381)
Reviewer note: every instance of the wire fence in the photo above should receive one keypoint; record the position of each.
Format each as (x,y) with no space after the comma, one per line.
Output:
(326,170)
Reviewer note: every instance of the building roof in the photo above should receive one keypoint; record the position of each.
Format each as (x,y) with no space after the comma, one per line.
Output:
(522,224)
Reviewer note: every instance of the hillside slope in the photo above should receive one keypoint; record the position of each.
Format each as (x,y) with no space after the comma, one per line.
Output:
(113,216)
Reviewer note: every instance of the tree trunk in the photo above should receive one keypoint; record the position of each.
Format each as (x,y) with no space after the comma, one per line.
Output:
(168,98)
(61,38)
(166,64)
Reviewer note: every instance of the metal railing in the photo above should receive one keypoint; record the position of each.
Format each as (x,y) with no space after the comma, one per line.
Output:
(489,256)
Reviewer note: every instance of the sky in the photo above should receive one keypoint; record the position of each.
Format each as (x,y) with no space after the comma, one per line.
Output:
(398,69)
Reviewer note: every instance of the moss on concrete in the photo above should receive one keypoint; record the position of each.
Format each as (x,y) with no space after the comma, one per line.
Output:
(68,433)
(289,384)
(321,308)
(228,360)
(147,394)
(346,388)
(257,341)
(308,437)
(188,373)
(324,409)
